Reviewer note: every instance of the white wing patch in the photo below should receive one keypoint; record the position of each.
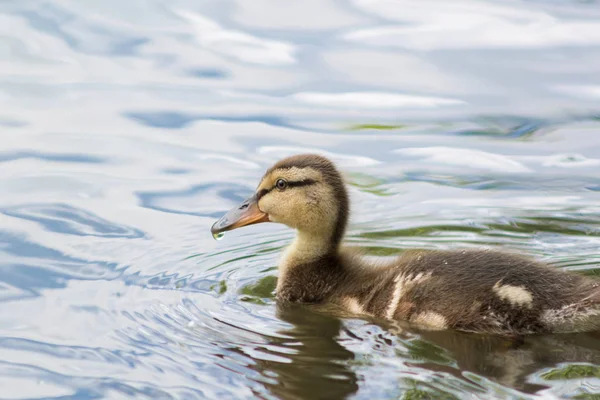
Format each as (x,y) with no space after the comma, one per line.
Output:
(431,320)
(352,305)
(515,295)
(403,283)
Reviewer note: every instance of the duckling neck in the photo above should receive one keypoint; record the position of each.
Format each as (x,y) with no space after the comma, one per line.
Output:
(308,269)
(307,248)
(310,246)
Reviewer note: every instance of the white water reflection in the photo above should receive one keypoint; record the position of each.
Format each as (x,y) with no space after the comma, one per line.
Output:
(239,45)
(296,15)
(345,160)
(474,159)
(432,25)
(369,100)
(184,55)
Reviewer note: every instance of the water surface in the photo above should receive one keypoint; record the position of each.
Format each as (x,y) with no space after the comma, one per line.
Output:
(128,127)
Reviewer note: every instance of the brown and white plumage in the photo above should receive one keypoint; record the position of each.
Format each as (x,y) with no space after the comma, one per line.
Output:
(474,290)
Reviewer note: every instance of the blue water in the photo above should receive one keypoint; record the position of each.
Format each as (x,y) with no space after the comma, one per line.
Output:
(128,127)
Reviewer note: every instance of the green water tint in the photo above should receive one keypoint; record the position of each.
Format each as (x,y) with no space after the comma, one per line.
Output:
(221,288)
(263,288)
(259,291)
(378,127)
(422,392)
(574,371)
(367,183)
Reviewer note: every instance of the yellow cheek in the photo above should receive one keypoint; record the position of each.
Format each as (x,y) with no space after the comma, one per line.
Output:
(312,209)
(270,205)
(264,205)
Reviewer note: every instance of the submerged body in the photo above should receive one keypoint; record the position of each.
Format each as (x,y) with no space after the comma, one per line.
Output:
(474,290)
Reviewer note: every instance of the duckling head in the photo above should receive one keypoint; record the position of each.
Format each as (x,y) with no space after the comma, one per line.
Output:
(305,192)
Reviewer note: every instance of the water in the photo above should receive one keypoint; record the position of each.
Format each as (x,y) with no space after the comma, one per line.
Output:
(128,128)
(218,236)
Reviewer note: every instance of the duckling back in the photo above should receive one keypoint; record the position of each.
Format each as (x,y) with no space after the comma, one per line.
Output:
(487,291)
(475,291)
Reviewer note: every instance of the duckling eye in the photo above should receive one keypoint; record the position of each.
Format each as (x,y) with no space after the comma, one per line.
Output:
(281,184)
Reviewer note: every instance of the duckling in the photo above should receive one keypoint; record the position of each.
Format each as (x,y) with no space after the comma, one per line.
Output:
(465,290)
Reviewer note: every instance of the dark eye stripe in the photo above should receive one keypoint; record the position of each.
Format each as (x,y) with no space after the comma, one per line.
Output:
(261,193)
(305,182)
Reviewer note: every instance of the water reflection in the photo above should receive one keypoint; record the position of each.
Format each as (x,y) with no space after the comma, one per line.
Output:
(310,358)
(315,365)
(512,362)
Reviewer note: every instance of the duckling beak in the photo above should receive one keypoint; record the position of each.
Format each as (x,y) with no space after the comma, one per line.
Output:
(246,213)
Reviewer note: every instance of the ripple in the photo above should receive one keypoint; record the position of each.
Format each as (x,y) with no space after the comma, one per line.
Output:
(467,157)
(65,219)
(572,160)
(177,120)
(31,266)
(196,198)
(237,44)
(432,26)
(81,34)
(343,159)
(67,158)
(208,73)
(11,123)
(367,100)
(173,120)
(10,292)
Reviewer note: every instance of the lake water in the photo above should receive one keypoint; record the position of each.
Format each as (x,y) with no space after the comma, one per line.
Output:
(128,127)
